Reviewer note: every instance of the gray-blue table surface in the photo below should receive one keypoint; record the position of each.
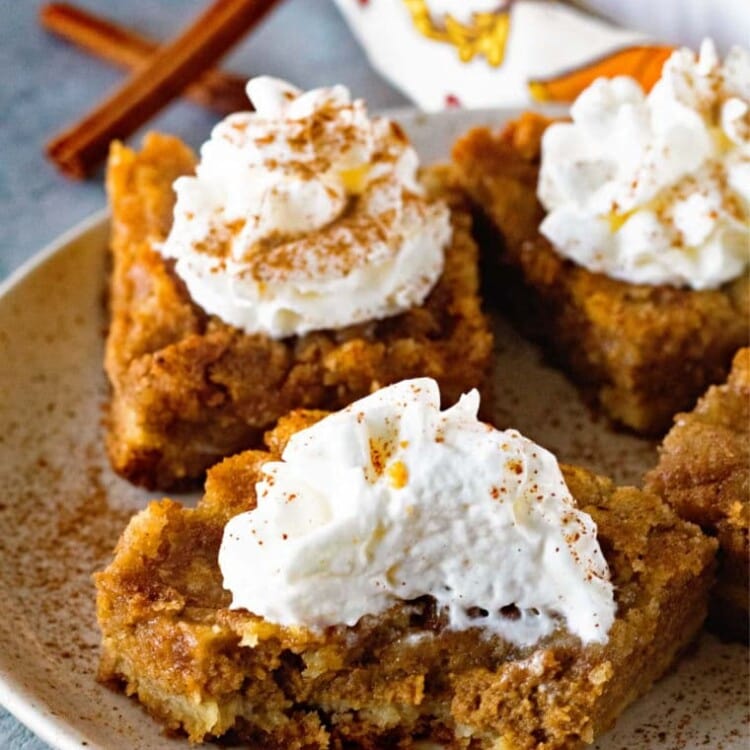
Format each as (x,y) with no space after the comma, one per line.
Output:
(45,84)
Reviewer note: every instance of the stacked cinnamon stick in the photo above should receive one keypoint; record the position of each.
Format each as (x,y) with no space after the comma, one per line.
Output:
(160,74)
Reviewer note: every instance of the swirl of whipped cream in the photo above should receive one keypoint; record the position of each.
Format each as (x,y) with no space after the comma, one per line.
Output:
(655,189)
(392,499)
(304,215)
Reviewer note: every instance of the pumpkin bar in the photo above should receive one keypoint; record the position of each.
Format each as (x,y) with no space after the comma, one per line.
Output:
(189,389)
(171,640)
(643,352)
(704,473)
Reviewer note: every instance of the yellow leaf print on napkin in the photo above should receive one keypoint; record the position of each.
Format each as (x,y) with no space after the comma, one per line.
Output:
(486,35)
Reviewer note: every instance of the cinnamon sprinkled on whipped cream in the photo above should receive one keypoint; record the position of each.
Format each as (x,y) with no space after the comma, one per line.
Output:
(304,215)
(655,189)
(392,499)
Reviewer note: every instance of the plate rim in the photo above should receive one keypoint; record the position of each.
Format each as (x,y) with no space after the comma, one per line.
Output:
(56,245)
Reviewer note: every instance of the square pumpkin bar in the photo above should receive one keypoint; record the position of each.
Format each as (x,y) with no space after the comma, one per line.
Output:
(189,389)
(704,474)
(200,667)
(642,351)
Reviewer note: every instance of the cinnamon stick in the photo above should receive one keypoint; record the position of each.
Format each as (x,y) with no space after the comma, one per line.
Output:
(80,148)
(215,89)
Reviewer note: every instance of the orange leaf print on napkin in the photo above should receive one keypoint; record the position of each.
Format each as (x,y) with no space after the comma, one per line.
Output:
(642,62)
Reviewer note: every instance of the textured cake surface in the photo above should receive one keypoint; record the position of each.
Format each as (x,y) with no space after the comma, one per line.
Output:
(188,389)
(704,473)
(170,638)
(644,352)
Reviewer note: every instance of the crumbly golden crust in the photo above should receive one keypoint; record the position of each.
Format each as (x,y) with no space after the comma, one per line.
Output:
(704,473)
(644,352)
(187,389)
(170,638)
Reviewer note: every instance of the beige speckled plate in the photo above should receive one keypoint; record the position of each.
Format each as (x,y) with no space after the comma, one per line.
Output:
(61,509)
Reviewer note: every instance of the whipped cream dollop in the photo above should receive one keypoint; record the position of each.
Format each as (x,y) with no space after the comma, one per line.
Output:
(392,499)
(306,214)
(655,189)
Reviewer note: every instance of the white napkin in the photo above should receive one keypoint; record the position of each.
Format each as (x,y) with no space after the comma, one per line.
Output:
(489,53)
(682,22)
